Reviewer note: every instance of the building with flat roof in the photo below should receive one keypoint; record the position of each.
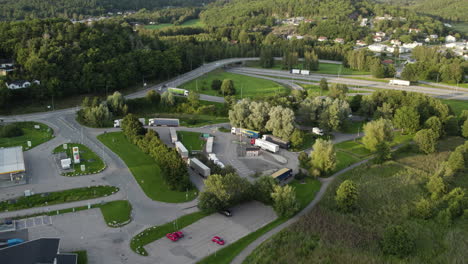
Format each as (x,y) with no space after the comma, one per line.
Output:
(12,164)
(42,250)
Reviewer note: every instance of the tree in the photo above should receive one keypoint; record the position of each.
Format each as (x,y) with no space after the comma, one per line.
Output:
(452,128)
(132,127)
(290,60)
(338,90)
(426,139)
(264,187)
(284,201)
(410,73)
(396,241)
(97,115)
(227,87)
(194,98)
(304,160)
(153,97)
(297,138)
(407,119)
(346,196)
(281,122)
(239,113)
(378,69)
(456,161)
(435,125)
(216,84)
(464,129)
(423,208)
(229,189)
(209,202)
(383,152)
(259,114)
(436,187)
(323,156)
(355,103)
(266,58)
(116,103)
(377,131)
(323,84)
(311,61)
(167,98)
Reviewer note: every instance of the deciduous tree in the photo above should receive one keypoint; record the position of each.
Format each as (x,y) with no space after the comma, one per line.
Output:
(323,156)
(377,131)
(284,201)
(346,196)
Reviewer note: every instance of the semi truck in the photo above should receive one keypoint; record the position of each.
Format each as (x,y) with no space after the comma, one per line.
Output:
(199,167)
(282,143)
(296,71)
(181,149)
(265,145)
(173,135)
(178,91)
(11,242)
(399,82)
(215,160)
(305,72)
(118,122)
(246,132)
(282,175)
(209,145)
(317,131)
(168,122)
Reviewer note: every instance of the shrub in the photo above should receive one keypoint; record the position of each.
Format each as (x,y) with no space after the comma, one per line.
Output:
(396,241)
(11,130)
(346,196)
(426,140)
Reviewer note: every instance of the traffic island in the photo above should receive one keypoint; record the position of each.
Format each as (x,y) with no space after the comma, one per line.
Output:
(76,159)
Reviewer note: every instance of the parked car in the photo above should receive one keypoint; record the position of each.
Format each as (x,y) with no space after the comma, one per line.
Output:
(175,236)
(226,213)
(218,240)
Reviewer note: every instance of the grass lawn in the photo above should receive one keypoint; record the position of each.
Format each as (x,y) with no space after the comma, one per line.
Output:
(191,140)
(154,233)
(324,68)
(353,127)
(145,170)
(308,141)
(188,23)
(82,256)
(36,136)
(305,192)
(456,105)
(368,79)
(116,213)
(93,163)
(344,160)
(352,147)
(246,86)
(59,197)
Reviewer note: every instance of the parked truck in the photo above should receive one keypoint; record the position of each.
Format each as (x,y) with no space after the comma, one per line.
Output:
(118,122)
(399,82)
(215,160)
(282,143)
(317,131)
(168,122)
(265,145)
(209,145)
(305,72)
(296,71)
(173,135)
(11,242)
(246,132)
(199,167)
(178,91)
(181,149)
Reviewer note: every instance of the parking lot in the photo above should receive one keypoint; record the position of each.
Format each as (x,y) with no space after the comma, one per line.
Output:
(197,242)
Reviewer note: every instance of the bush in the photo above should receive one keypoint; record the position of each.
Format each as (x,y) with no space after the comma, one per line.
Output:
(11,130)
(284,201)
(346,196)
(426,139)
(396,241)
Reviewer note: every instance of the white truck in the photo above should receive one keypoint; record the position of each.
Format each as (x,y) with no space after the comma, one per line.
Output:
(305,72)
(215,160)
(173,135)
(317,131)
(296,71)
(178,91)
(265,145)
(209,145)
(118,122)
(181,149)
(199,167)
(399,82)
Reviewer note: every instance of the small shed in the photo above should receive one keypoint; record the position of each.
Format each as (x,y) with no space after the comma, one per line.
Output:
(66,163)
(252,152)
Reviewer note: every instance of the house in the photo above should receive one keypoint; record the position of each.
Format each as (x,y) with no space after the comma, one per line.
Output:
(42,250)
(377,39)
(364,22)
(395,42)
(377,47)
(385,17)
(321,39)
(412,45)
(434,36)
(414,30)
(450,38)
(252,152)
(427,40)
(339,40)
(290,37)
(380,34)
(20,84)
(361,43)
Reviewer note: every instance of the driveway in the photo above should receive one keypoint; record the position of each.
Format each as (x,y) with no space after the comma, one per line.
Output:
(197,241)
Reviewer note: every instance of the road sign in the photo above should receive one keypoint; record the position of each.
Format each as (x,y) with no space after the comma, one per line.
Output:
(83,167)
(65,146)
(29,144)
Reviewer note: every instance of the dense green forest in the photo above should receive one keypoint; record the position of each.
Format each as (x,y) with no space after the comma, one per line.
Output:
(28,9)
(453,10)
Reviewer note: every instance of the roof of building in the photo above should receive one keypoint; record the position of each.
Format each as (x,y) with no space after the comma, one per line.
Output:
(252,149)
(11,160)
(42,250)
(280,172)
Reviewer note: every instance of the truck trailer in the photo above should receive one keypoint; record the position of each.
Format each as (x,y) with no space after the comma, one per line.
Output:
(265,145)
(282,143)
(399,82)
(209,145)
(173,135)
(181,149)
(168,122)
(246,132)
(296,71)
(178,91)
(305,72)
(199,167)
(282,175)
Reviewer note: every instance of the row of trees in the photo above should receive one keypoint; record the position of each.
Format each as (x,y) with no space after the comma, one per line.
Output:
(327,113)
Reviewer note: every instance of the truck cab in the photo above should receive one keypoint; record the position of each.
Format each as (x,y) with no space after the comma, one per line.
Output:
(186,93)
(117,122)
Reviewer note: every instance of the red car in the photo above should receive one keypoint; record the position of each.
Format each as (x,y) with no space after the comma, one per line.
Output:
(218,240)
(175,236)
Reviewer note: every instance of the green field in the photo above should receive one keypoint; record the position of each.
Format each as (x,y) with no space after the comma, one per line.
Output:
(191,140)
(116,213)
(246,86)
(462,27)
(456,105)
(154,233)
(188,23)
(387,194)
(324,68)
(144,168)
(36,136)
(93,163)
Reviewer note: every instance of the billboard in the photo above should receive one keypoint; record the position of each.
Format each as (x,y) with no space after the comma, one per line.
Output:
(76,155)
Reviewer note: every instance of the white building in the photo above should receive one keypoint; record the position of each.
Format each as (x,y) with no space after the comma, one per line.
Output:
(12,164)
(339,40)
(377,39)
(321,39)
(412,45)
(395,42)
(361,43)
(380,34)
(450,38)
(377,47)
(434,36)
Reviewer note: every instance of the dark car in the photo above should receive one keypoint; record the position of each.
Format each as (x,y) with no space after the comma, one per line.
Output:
(226,213)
